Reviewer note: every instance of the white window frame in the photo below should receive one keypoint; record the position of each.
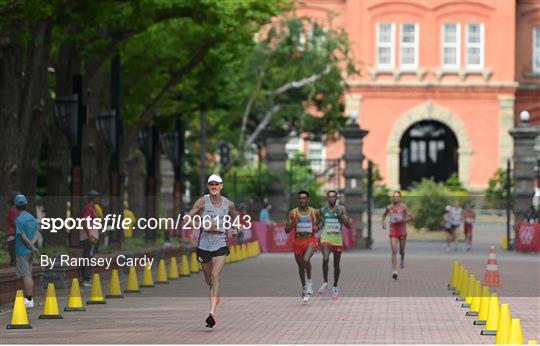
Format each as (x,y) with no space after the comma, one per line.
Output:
(414,45)
(391,45)
(474,45)
(535,49)
(293,145)
(457,45)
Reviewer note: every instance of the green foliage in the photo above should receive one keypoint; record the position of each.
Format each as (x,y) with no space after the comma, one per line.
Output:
(381,192)
(302,177)
(495,192)
(427,200)
(248,183)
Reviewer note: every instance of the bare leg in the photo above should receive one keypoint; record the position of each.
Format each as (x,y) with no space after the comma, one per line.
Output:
(394,247)
(307,260)
(301,269)
(326,259)
(402,243)
(217,266)
(337,270)
(207,271)
(28,285)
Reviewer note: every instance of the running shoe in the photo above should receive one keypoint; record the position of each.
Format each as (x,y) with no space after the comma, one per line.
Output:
(402,263)
(309,287)
(323,288)
(395,276)
(335,293)
(28,303)
(210,321)
(305,296)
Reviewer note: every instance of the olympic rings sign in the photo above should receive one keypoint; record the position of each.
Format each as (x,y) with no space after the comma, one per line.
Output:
(526,234)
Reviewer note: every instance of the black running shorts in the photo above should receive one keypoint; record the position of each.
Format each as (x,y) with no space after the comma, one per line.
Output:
(204,256)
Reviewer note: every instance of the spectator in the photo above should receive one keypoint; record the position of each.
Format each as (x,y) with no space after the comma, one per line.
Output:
(27,236)
(264,214)
(12,215)
(531,216)
(88,235)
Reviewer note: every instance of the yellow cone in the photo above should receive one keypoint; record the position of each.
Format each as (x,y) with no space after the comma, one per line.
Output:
(50,309)
(475,304)
(194,265)
(184,266)
(232,254)
(173,269)
(460,279)
(115,291)
(133,281)
(453,276)
(148,278)
(516,333)
(75,301)
(200,266)
(244,251)
(162,273)
(258,248)
(251,252)
(469,291)
(503,328)
(96,296)
(464,284)
(484,307)
(19,318)
(493,316)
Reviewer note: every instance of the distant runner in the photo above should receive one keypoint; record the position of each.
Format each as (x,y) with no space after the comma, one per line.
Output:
(469,217)
(398,216)
(212,244)
(334,217)
(305,221)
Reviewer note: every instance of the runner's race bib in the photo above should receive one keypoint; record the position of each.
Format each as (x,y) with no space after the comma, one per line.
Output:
(304,225)
(332,226)
(396,217)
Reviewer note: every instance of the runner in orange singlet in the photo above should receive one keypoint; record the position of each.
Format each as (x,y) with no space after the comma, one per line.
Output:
(305,221)
(398,216)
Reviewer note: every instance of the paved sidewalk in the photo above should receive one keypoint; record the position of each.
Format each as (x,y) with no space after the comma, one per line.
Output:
(260,304)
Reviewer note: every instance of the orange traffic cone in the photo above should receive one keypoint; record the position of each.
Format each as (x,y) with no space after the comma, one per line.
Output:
(491,277)
(19,319)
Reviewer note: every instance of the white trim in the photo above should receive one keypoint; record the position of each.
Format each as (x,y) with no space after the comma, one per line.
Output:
(474,45)
(414,45)
(391,45)
(456,45)
(293,145)
(535,50)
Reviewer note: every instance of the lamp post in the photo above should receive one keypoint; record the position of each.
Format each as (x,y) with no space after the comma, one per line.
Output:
(69,114)
(108,130)
(147,139)
(173,147)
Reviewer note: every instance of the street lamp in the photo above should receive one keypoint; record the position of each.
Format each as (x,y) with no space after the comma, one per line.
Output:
(66,115)
(107,127)
(69,117)
(173,147)
(147,139)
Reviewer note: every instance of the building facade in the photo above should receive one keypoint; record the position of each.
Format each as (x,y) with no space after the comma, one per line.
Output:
(441,83)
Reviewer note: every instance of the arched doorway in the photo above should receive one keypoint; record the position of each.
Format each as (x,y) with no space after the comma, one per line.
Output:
(427,149)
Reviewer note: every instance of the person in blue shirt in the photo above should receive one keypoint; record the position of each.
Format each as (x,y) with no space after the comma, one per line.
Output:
(264,214)
(26,236)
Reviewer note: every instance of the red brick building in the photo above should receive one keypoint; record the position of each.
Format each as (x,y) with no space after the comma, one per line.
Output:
(441,82)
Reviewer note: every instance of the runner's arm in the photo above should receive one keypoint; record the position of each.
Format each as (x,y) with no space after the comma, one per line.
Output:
(318,220)
(345,217)
(195,210)
(408,215)
(290,223)
(233,213)
(383,224)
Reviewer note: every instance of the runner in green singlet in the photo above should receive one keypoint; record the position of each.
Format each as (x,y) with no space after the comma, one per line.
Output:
(334,217)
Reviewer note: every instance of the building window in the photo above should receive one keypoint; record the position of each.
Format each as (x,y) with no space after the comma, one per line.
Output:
(385,45)
(536,50)
(409,45)
(450,46)
(294,146)
(316,156)
(475,46)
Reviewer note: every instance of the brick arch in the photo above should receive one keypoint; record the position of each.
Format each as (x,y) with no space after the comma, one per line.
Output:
(428,111)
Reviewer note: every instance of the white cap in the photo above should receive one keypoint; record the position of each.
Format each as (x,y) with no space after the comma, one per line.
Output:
(216,178)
